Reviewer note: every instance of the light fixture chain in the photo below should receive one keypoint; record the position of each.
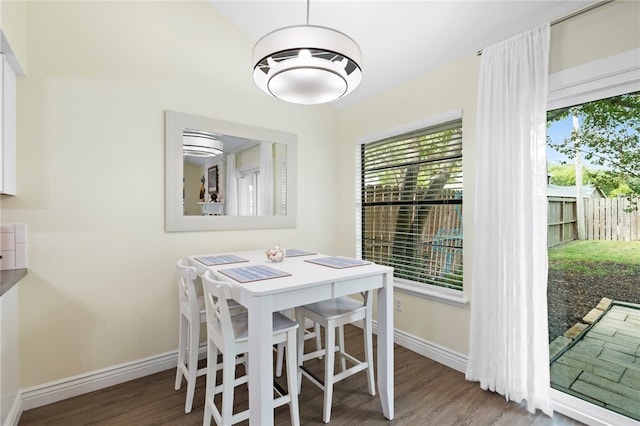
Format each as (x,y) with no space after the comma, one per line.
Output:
(307,12)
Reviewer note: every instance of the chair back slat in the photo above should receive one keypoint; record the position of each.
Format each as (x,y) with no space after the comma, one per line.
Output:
(187,277)
(216,296)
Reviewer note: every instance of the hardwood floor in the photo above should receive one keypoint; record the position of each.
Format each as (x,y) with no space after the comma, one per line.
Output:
(426,393)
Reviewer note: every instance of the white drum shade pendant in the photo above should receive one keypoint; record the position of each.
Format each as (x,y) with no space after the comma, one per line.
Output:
(197,143)
(307,64)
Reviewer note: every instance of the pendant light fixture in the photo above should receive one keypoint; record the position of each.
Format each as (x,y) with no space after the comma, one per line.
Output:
(307,64)
(197,143)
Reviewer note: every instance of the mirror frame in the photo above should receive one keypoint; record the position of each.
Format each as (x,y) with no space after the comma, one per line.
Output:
(175,220)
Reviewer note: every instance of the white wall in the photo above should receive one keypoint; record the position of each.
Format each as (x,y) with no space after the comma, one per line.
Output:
(13,21)
(192,175)
(101,287)
(608,30)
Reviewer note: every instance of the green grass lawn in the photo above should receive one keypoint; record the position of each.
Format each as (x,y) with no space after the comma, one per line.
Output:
(596,257)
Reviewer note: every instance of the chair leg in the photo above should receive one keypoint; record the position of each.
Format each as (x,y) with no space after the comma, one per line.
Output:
(192,368)
(182,347)
(279,359)
(212,370)
(368,352)
(341,350)
(292,375)
(299,347)
(280,348)
(316,328)
(228,388)
(329,354)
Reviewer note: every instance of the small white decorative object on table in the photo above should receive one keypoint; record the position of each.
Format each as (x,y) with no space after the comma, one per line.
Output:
(275,254)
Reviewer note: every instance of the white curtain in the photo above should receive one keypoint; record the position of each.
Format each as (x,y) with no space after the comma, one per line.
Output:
(266,179)
(509,349)
(231,197)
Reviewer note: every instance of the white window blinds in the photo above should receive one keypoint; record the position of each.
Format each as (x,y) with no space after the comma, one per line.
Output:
(412,204)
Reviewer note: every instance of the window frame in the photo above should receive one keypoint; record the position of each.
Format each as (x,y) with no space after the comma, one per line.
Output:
(248,201)
(455,297)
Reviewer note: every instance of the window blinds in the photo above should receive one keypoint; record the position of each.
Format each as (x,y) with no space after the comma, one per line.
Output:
(412,204)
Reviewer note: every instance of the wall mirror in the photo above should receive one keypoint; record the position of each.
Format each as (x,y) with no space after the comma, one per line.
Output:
(221,175)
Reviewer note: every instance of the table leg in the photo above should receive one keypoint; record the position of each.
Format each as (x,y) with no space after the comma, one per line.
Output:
(260,362)
(385,346)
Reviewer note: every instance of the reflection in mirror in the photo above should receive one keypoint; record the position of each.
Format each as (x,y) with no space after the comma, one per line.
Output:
(222,175)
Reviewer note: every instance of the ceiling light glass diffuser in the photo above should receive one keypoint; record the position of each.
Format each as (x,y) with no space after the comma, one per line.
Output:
(196,143)
(307,64)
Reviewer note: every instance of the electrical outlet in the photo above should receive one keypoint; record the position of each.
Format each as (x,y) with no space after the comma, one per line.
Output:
(398,305)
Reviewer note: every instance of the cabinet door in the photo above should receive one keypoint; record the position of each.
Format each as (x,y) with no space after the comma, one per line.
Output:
(8,127)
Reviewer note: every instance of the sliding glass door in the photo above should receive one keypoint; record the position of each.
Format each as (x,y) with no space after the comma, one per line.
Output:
(594,252)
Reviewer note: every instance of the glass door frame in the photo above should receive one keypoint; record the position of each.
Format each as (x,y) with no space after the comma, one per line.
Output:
(611,76)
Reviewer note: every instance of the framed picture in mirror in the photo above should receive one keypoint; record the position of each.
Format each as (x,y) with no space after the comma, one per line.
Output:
(213,179)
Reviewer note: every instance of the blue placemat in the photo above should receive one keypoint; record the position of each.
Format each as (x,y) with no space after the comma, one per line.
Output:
(298,252)
(338,262)
(253,273)
(220,259)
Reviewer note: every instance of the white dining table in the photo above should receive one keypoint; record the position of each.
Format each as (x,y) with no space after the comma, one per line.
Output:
(305,283)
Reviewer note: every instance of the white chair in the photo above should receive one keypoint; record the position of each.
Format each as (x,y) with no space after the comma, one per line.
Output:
(332,314)
(192,313)
(308,334)
(228,335)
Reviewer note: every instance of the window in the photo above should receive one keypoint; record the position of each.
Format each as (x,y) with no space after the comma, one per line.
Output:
(282,196)
(248,187)
(411,204)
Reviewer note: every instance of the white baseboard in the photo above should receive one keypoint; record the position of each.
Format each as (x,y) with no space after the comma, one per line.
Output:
(14,412)
(438,353)
(58,390)
(433,351)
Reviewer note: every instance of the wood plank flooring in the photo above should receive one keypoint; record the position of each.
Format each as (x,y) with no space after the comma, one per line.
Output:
(426,393)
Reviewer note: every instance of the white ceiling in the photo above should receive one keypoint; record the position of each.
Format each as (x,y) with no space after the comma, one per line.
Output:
(401,40)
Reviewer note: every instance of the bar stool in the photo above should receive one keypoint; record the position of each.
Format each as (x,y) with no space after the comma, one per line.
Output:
(308,334)
(192,314)
(332,314)
(229,335)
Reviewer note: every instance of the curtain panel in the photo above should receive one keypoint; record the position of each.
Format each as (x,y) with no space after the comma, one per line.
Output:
(231,197)
(509,349)
(266,192)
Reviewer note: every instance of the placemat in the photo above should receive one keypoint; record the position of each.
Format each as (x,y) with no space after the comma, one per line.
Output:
(253,273)
(220,259)
(338,262)
(298,252)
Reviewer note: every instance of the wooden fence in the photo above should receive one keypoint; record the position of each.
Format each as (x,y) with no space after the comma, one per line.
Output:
(605,219)
(439,245)
(561,220)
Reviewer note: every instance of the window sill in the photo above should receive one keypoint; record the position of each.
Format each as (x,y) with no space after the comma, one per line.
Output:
(440,294)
